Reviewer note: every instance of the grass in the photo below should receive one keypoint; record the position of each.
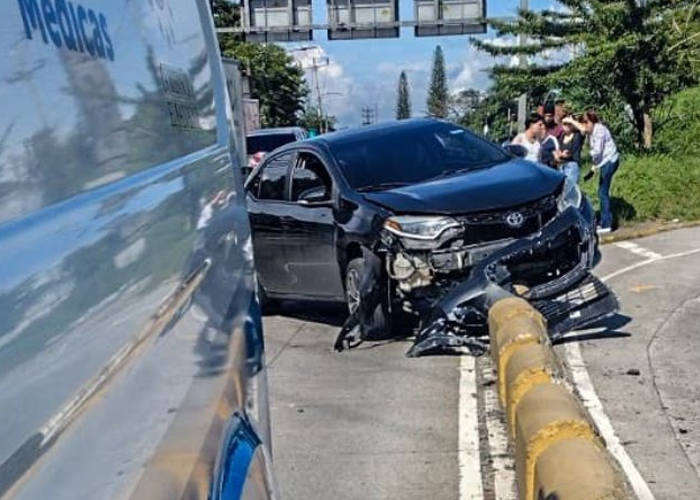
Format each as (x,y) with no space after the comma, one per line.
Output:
(653,187)
(664,185)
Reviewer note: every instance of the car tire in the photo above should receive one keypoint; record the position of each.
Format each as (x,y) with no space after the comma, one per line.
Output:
(353,275)
(382,315)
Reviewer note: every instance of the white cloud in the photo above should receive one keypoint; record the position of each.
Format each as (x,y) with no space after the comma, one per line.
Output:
(335,86)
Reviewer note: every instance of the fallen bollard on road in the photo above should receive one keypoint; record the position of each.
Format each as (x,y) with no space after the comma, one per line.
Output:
(559,454)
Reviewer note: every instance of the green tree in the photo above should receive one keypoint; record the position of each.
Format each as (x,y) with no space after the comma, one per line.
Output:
(465,102)
(226,15)
(438,96)
(311,119)
(624,57)
(273,76)
(403,101)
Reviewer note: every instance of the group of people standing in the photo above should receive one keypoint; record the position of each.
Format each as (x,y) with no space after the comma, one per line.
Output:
(558,144)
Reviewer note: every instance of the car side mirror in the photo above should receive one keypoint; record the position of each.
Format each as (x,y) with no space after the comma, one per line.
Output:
(516,150)
(317,197)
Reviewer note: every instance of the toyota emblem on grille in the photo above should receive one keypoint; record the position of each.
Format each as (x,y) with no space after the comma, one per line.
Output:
(515,219)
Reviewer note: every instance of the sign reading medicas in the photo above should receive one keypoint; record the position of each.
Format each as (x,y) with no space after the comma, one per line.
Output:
(67,24)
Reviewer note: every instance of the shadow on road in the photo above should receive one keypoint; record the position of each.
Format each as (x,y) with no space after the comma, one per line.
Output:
(327,314)
(604,329)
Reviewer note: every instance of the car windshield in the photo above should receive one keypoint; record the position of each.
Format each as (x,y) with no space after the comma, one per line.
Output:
(408,156)
(267,142)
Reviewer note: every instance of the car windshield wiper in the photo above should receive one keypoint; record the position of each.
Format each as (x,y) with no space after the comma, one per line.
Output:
(381,186)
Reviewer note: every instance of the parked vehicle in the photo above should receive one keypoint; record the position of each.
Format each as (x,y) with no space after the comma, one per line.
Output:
(131,350)
(429,199)
(262,141)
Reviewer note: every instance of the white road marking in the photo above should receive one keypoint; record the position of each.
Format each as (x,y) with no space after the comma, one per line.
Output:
(470,486)
(588,394)
(638,250)
(502,461)
(582,379)
(643,263)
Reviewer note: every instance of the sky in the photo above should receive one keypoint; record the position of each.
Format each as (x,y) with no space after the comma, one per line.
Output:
(366,72)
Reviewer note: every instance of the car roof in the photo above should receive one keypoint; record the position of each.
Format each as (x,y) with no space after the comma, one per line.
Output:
(322,142)
(276,130)
(368,131)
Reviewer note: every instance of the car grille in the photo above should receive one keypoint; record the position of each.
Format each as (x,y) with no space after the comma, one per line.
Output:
(484,227)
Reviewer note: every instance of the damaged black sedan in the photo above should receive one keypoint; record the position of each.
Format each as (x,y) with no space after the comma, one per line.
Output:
(414,224)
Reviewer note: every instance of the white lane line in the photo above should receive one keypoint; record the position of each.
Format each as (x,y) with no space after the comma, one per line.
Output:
(582,380)
(470,486)
(638,250)
(588,394)
(503,464)
(643,263)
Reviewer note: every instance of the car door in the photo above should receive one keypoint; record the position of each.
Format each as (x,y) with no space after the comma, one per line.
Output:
(268,208)
(310,230)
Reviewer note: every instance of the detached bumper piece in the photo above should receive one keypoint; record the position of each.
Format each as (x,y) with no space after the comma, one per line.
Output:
(570,299)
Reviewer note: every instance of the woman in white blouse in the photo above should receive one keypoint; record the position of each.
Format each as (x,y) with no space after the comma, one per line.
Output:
(606,160)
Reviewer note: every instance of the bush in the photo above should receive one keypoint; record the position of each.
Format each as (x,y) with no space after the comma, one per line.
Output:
(653,187)
(678,124)
(662,184)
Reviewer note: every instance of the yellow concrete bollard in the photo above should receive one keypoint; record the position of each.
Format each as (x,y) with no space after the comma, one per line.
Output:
(577,469)
(546,415)
(517,331)
(528,366)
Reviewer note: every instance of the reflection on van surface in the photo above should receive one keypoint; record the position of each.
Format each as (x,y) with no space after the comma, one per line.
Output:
(131,350)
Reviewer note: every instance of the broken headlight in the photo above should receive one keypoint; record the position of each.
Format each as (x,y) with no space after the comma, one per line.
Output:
(571,198)
(423,228)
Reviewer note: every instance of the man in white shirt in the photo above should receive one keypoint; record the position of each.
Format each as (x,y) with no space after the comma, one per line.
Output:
(532,137)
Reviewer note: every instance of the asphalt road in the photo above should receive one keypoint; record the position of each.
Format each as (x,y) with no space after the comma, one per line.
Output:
(373,424)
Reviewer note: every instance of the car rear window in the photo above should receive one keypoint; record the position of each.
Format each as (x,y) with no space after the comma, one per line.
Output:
(268,142)
(408,156)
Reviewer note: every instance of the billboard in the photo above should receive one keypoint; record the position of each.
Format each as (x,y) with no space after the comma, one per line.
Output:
(353,19)
(449,17)
(278,20)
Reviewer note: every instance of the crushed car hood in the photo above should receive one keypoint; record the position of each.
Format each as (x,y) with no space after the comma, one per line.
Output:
(505,185)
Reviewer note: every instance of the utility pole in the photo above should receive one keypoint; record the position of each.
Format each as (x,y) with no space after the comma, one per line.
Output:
(367,113)
(314,68)
(316,63)
(522,64)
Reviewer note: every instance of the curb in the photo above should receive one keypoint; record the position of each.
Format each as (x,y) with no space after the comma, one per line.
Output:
(559,454)
(633,234)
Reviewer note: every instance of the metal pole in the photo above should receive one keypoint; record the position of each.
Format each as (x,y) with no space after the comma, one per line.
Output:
(522,64)
(318,96)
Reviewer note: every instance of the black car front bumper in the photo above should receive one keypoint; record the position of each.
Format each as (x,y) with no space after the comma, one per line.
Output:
(551,269)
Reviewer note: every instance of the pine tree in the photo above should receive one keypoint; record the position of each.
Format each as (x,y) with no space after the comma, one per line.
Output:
(403,101)
(438,95)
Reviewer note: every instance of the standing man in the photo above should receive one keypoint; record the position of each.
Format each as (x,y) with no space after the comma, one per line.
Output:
(532,137)
(606,160)
(554,128)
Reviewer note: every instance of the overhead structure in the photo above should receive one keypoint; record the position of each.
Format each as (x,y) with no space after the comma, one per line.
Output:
(278,20)
(449,17)
(291,20)
(353,19)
